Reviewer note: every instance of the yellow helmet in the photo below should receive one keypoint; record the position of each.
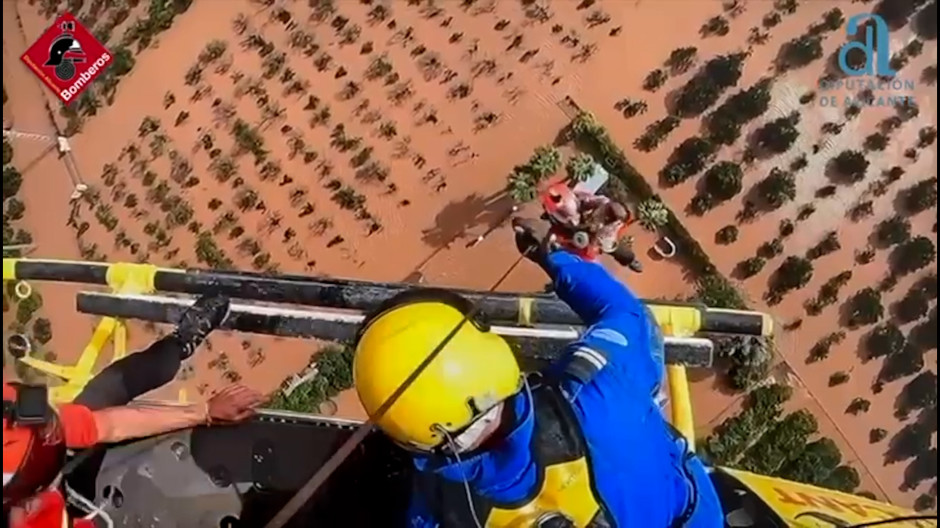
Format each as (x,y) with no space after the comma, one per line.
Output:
(472,373)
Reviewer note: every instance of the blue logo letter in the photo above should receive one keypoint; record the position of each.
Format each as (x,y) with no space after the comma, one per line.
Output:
(876,46)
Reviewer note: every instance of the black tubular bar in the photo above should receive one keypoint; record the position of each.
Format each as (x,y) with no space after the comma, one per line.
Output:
(296,323)
(62,271)
(363,295)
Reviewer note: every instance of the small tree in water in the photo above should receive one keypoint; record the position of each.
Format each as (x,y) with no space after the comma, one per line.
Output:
(800,52)
(851,165)
(778,188)
(723,180)
(886,339)
(915,254)
(921,196)
(652,214)
(580,167)
(865,307)
(793,274)
(779,135)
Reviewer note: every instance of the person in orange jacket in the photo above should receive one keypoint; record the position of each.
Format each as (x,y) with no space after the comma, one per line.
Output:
(37,435)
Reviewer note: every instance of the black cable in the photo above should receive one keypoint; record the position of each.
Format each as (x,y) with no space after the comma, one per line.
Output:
(903,518)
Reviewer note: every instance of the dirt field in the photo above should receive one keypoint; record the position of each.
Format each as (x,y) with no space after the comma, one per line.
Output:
(436,105)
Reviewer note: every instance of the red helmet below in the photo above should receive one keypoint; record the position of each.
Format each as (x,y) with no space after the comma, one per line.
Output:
(33,443)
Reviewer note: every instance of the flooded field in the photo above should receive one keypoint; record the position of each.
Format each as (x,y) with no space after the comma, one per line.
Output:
(374,139)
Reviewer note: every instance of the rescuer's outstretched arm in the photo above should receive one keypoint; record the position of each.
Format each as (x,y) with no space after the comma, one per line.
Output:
(589,289)
(621,335)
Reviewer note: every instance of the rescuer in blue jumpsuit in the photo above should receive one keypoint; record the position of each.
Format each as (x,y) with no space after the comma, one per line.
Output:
(581,444)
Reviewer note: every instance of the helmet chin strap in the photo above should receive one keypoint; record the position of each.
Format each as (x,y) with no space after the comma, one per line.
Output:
(476,431)
(474,435)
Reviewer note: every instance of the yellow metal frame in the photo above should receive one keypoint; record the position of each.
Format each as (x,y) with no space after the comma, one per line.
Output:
(679,321)
(130,278)
(126,278)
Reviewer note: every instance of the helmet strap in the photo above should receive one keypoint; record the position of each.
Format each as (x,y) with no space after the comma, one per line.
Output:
(466,484)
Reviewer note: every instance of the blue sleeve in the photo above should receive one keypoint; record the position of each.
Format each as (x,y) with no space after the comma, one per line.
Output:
(621,333)
(419,514)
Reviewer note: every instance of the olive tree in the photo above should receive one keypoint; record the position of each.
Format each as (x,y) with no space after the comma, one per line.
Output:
(778,135)
(843,478)
(908,361)
(793,273)
(919,393)
(912,306)
(749,267)
(908,257)
(749,358)
(894,230)
(886,339)
(924,335)
(829,244)
(706,87)
(42,330)
(865,308)
(813,464)
(921,196)
(858,406)
(12,180)
(799,52)
(778,188)
(727,235)
(723,180)
(838,378)
(850,165)
(689,158)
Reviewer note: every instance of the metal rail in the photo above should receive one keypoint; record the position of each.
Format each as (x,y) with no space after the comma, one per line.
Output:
(522,308)
(532,344)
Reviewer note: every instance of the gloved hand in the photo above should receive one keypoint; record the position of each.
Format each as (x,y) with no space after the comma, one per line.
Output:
(533,240)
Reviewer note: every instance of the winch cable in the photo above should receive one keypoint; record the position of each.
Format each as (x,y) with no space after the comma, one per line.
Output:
(332,464)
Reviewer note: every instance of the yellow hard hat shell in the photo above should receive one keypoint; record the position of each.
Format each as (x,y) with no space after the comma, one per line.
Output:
(473,372)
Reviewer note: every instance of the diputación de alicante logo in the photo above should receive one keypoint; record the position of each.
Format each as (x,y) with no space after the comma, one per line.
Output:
(67,58)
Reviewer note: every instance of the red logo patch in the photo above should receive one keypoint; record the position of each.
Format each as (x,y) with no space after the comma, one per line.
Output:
(66,57)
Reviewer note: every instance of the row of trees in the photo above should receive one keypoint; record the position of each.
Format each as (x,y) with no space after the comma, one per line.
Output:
(13,211)
(803,50)
(764,440)
(523,182)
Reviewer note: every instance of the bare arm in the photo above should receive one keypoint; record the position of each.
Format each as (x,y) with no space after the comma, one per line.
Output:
(142,420)
(139,420)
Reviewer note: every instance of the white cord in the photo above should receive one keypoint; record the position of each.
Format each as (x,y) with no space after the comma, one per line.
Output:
(455,450)
(80,501)
(466,484)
